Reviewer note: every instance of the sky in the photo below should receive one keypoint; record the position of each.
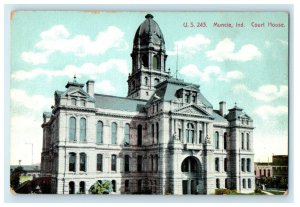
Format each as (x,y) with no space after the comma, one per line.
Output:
(244,65)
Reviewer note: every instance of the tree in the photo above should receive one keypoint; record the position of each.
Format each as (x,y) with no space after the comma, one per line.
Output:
(101,187)
(15,177)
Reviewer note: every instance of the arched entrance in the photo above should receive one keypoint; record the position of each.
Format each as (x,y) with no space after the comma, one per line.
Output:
(191,176)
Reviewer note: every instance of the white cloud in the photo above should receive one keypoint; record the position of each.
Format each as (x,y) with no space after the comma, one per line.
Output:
(267,111)
(206,74)
(33,102)
(225,51)
(105,87)
(190,45)
(59,39)
(265,93)
(283,42)
(87,69)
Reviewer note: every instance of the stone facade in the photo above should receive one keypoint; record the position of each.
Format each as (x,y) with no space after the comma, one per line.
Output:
(164,137)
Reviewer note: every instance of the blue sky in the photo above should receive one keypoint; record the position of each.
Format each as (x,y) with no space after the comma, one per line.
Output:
(245,65)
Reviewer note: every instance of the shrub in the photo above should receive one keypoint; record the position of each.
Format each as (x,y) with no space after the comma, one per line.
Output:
(257,190)
(223,191)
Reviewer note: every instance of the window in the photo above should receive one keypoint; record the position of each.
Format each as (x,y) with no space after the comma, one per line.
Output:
(225,164)
(225,140)
(83,162)
(200,136)
(73,101)
(187,98)
(82,130)
(152,163)
(126,134)
(216,139)
(226,183)
(244,183)
(133,85)
(248,142)
(113,163)
(99,136)
(146,81)
(243,144)
(157,132)
(152,129)
(114,128)
(243,164)
(194,99)
(126,185)
(249,183)
(260,173)
(72,129)
(139,163)
(190,133)
(190,165)
(217,183)
(217,164)
(156,64)
(126,163)
(71,187)
(269,173)
(156,163)
(72,162)
(139,188)
(140,135)
(99,162)
(248,165)
(114,185)
(82,187)
(145,60)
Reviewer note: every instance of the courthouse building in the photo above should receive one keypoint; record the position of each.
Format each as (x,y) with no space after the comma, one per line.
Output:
(163,138)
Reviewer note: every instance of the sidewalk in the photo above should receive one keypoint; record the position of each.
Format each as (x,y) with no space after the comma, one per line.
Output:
(267,193)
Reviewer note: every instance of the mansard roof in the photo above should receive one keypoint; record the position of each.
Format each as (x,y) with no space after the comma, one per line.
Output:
(236,113)
(217,117)
(119,103)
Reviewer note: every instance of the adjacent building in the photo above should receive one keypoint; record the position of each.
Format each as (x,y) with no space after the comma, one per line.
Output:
(163,138)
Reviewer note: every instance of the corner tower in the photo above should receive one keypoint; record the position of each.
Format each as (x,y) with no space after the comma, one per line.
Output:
(148,60)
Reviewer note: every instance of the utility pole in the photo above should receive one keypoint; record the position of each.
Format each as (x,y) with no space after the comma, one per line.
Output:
(31,152)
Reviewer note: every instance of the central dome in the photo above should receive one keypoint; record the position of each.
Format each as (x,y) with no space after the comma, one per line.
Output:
(149,32)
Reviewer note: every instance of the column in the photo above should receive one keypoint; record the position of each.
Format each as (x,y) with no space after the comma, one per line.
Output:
(196,138)
(183,131)
(204,131)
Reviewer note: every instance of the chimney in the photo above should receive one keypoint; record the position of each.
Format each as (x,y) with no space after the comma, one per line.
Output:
(222,108)
(90,87)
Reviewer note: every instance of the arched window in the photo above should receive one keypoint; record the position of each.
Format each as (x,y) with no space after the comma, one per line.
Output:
(126,134)
(225,164)
(190,165)
(72,129)
(145,60)
(243,164)
(139,135)
(248,165)
(190,131)
(244,183)
(248,141)
(82,162)
(82,130)
(99,162)
(157,132)
(243,141)
(152,130)
(146,81)
(216,139)
(225,140)
(217,163)
(72,162)
(126,163)
(114,128)
(217,183)
(156,63)
(82,187)
(139,163)
(114,185)
(249,183)
(99,136)
(71,187)
(113,163)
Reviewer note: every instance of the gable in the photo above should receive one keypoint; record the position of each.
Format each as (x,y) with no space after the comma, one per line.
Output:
(191,110)
(78,94)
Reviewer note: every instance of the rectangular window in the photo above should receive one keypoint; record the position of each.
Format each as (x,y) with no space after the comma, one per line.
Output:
(187,98)
(99,138)
(72,162)
(225,164)
(194,99)
(248,165)
(83,162)
(217,164)
(200,136)
(180,134)
(139,163)
(126,185)
(126,164)
(243,164)
(243,141)
(99,162)
(113,163)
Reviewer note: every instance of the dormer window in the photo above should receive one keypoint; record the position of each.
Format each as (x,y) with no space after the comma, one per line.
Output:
(187,98)
(73,101)
(82,102)
(194,98)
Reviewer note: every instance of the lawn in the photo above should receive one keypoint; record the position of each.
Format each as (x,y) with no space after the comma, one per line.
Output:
(275,192)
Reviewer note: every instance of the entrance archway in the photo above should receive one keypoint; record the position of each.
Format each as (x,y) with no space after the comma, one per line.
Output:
(191,175)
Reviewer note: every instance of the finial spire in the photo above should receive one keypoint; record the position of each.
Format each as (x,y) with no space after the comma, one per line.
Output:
(149,16)
(74,78)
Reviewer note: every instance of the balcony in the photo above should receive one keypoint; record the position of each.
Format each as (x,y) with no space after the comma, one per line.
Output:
(190,146)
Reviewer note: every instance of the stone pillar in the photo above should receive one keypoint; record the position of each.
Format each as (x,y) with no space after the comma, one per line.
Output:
(183,131)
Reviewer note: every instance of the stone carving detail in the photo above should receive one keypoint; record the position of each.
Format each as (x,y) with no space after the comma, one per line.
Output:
(207,140)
